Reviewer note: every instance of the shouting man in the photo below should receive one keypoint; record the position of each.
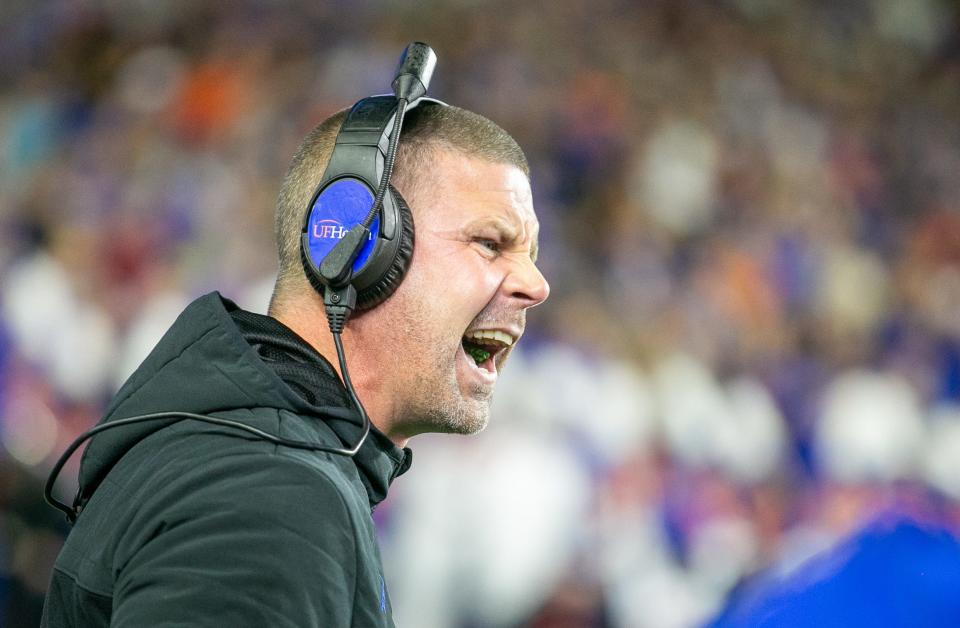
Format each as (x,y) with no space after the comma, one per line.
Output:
(238,485)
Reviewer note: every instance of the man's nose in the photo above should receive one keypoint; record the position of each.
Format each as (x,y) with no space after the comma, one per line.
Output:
(527,284)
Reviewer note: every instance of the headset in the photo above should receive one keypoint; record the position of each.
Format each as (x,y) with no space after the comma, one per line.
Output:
(357,236)
(356,242)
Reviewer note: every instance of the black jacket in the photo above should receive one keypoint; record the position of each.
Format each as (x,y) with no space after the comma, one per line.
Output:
(190,524)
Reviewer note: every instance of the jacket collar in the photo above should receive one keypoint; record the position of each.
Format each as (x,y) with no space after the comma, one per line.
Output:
(206,360)
(311,376)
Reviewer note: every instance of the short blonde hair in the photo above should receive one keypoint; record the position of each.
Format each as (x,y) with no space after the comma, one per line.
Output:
(426,129)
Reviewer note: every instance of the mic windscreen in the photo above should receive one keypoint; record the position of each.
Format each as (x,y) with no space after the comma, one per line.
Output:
(414,72)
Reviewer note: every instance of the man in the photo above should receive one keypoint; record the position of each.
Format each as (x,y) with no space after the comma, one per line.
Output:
(186,523)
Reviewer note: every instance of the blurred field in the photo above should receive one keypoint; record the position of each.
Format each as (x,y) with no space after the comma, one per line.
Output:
(750,218)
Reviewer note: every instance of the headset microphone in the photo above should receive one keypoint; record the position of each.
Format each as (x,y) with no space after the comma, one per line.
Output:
(415,71)
(411,82)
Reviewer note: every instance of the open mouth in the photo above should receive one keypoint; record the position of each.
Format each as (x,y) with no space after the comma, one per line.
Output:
(483,346)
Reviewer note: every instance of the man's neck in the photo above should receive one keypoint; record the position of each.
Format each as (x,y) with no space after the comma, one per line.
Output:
(365,369)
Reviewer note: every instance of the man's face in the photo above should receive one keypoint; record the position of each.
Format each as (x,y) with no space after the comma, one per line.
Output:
(473,273)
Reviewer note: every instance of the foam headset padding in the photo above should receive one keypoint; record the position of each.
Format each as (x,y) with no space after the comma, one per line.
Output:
(382,289)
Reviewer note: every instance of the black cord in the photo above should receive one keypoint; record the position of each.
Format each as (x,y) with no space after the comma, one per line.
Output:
(353,396)
(73,512)
(337,316)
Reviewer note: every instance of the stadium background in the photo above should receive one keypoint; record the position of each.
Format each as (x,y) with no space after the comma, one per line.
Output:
(750,219)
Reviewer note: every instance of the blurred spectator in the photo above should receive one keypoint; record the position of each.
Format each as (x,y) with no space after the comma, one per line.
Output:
(854,584)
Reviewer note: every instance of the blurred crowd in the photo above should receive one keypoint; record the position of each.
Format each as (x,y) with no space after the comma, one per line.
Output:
(750,216)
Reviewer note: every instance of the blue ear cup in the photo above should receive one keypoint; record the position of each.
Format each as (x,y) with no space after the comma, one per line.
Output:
(338,207)
(382,261)
(333,229)
(397,269)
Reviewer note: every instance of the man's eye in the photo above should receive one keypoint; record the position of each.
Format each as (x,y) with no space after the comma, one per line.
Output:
(486,243)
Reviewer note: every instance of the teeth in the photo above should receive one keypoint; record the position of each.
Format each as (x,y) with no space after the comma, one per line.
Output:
(496,336)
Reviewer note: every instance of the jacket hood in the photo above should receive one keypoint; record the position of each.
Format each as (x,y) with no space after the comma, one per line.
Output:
(204,365)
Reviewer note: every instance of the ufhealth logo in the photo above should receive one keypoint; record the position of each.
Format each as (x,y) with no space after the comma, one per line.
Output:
(329,230)
(337,209)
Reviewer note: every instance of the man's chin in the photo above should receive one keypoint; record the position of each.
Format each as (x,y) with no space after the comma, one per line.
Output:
(470,416)
(459,415)
(464,429)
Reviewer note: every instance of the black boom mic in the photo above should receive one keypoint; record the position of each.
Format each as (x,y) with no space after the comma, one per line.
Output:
(414,71)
